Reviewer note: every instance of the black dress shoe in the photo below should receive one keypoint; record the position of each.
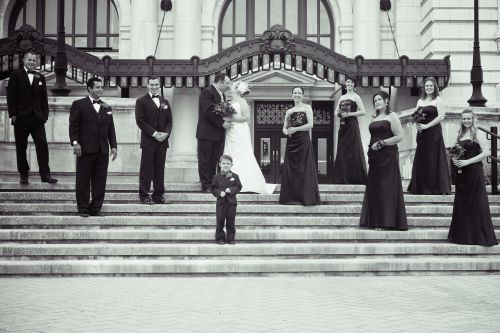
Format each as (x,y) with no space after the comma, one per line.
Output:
(207,191)
(162,201)
(231,243)
(146,201)
(221,242)
(83,214)
(96,213)
(49,180)
(23,179)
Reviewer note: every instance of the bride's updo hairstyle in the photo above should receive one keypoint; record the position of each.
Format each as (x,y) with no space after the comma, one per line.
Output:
(241,88)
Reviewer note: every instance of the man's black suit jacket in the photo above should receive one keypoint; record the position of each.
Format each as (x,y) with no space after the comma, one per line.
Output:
(24,98)
(221,182)
(152,119)
(94,132)
(209,124)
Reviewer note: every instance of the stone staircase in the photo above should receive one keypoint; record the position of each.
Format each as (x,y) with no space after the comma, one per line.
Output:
(40,234)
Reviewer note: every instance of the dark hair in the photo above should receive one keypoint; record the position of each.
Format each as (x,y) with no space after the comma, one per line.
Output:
(32,52)
(219,77)
(152,78)
(435,93)
(384,96)
(226,157)
(299,88)
(90,82)
(353,79)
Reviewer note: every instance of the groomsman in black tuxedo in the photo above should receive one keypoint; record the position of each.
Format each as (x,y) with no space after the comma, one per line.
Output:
(154,117)
(210,131)
(91,133)
(29,110)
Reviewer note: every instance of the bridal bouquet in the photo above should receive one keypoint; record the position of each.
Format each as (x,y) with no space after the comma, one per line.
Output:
(223,109)
(418,116)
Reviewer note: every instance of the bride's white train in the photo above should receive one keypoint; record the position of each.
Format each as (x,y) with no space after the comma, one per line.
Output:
(238,145)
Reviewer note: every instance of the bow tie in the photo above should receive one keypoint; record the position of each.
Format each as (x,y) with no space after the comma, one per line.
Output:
(155,96)
(97,102)
(31,72)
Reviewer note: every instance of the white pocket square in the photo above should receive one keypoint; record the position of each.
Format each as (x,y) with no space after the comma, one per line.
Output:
(109,113)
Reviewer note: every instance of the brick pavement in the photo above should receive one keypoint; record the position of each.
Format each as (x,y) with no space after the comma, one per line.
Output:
(252,304)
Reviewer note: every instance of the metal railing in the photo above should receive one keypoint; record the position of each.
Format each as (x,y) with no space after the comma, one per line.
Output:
(492,135)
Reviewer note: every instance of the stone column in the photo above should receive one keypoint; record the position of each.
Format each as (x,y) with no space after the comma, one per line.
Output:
(366,28)
(143,28)
(182,161)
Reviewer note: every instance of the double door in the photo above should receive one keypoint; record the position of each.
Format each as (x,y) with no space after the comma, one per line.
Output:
(270,142)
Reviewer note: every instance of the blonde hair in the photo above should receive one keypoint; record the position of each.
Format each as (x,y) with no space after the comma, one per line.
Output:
(473,128)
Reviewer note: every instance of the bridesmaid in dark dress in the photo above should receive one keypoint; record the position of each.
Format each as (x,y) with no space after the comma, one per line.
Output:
(350,164)
(471,222)
(299,179)
(383,204)
(430,173)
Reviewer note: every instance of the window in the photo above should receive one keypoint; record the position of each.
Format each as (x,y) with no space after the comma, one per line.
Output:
(245,19)
(88,23)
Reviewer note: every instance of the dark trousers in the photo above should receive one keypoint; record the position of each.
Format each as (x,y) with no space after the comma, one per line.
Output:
(225,212)
(209,153)
(23,127)
(152,168)
(91,173)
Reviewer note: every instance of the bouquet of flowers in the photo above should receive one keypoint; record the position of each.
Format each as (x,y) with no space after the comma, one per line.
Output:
(418,116)
(344,106)
(223,109)
(457,152)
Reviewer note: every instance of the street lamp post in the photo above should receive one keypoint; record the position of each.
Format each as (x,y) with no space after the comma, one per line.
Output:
(476,73)
(60,66)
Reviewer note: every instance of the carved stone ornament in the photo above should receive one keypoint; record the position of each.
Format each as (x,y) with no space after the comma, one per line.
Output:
(277,40)
(27,38)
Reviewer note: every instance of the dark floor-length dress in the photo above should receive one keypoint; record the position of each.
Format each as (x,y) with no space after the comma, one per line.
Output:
(430,173)
(471,222)
(350,164)
(299,179)
(383,204)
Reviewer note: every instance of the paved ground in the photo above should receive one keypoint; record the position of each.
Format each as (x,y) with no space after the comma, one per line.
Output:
(251,304)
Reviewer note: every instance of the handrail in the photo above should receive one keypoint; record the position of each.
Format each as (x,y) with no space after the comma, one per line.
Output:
(489,132)
(493,137)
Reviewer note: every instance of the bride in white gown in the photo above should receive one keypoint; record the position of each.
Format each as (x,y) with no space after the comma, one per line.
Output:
(238,145)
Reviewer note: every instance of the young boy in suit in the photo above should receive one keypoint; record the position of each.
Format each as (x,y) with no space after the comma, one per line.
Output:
(225,186)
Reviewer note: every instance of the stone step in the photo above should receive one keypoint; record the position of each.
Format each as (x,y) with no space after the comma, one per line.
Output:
(170,221)
(53,196)
(426,264)
(204,235)
(192,209)
(133,187)
(241,250)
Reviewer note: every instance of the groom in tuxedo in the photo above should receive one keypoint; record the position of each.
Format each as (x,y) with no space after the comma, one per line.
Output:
(210,131)
(91,133)
(29,110)
(154,117)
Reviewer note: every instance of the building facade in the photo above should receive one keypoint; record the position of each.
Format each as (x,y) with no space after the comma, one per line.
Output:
(136,29)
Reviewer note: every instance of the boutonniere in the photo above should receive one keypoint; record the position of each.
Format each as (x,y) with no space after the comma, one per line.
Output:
(231,180)
(106,107)
(163,106)
(40,83)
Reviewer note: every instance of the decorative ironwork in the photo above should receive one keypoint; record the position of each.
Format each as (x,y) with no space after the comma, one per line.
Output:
(271,113)
(322,117)
(278,48)
(277,40)
(26,38)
